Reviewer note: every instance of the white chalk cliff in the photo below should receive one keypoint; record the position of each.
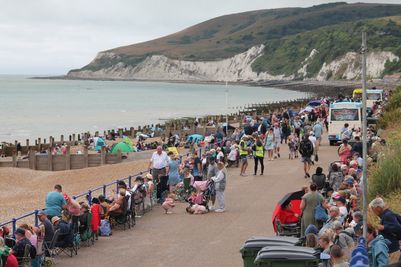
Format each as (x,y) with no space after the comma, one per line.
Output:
(236,68)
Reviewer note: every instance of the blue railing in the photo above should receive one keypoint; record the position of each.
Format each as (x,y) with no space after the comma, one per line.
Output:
(87,194)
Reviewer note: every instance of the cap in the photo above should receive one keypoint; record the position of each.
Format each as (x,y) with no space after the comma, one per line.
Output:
(20,231)
(350,181)
(55,219)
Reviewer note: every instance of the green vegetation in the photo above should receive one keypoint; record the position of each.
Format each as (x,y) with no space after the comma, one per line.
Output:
(385,176)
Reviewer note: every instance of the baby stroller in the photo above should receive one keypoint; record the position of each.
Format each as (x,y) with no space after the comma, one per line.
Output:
(201,194)
(291,229)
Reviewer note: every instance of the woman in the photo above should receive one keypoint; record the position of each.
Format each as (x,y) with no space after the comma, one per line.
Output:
(116,208)
(308,204)
(220,186)
(325,243)
(344,151)
(286,214)
(97,213)
(258,154)
(269,144)
(173,174)
(319,178)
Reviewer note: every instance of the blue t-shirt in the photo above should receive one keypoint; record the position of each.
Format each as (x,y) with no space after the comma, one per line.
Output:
(318,129)
(54,203)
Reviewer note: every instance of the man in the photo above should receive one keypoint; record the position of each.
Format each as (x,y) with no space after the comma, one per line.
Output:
(277,140)
(346,132)
(318,131)
(389,227)
(357,146)
(19,249)
(334,216)
(306,151)
(243,153)
(158,165)
(55,202)
(197,169)
(65,236)
(46,225)
(313,139)
(337,257)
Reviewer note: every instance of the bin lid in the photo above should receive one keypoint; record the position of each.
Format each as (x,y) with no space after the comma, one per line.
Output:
(258,242)
(287,253)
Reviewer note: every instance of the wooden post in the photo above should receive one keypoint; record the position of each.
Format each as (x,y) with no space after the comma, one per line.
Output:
(119,156)
(62,138)
(132,132)
(68,158)
(86,163)
(49,159)
(73,138)
(39,145)
(44,141)
(32,159)
(14,158)
(27,143)
(103,156)
(51,141)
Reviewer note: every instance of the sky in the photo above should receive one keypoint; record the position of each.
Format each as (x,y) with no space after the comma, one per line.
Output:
(50,37)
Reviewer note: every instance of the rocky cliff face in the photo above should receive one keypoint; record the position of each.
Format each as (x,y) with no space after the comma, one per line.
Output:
(236,68)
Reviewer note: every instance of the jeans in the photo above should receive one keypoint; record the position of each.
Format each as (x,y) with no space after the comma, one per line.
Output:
(220,199)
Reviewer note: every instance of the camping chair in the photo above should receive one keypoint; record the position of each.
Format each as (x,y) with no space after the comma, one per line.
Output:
(86,236)
(69,247)
(123,218)
(25,261)
(293,229)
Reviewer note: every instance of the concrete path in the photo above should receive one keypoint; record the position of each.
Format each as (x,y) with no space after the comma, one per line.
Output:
(212,239)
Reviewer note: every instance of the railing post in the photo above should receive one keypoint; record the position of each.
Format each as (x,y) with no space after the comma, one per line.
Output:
(14,226)
(104,190)
(117,186)
(129,181)
(36,218)
(90,197)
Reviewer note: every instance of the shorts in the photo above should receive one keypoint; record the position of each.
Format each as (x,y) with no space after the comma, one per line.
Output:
(244,159)
(306,159)
(277,143)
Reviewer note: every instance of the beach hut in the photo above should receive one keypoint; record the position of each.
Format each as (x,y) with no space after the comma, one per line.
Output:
(99,144)
(123,147)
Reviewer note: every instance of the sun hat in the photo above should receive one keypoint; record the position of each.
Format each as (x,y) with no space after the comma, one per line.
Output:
(55,219)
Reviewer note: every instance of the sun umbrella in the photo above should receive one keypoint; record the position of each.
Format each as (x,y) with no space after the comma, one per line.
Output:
(99,144)
(314,103)
(123,147)
(295,198)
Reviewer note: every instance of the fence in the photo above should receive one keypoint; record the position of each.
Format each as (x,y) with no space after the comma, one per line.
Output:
(87,194)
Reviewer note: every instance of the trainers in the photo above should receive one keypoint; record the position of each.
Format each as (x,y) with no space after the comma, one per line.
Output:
(219,210)
(254,174)
(169,212)
(211,208)
(261,174)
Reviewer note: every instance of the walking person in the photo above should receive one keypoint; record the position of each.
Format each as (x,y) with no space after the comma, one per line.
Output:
(258,154)
(243,153)
(220,186)
(173,174)
(269,144)
(308,204)
(158,165)
(318,131)
(277,140)
(306,151)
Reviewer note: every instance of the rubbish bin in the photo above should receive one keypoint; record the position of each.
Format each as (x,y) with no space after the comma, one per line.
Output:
(287,256)
(252,246)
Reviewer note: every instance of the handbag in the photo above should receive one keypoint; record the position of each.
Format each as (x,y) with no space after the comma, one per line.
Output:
(320,214)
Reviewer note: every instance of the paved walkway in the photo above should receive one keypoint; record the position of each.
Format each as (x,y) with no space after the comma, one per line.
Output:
(212,239)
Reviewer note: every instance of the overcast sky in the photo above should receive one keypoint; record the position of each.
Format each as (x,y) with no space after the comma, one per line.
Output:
(54,36)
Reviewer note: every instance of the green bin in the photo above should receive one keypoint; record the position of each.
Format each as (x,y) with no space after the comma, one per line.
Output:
(252,246)
(287,256)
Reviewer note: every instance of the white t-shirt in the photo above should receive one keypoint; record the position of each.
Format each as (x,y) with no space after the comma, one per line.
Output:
(219,156)
(313,140)
(159,161)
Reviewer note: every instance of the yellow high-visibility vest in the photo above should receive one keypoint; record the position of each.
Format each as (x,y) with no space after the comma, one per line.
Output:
(243,148)
(259,152)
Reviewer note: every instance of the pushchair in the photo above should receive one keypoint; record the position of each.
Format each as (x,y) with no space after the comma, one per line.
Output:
(202,193)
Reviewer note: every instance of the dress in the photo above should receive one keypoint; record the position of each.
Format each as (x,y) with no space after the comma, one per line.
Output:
(269,145)
(173,176)
(311,199)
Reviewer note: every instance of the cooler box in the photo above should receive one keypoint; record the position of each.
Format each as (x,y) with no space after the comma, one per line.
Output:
(254,244)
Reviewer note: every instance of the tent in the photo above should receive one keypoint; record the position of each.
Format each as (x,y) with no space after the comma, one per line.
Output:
(99,144)
(195,138)
(295,198)
(123,147)
(128,141)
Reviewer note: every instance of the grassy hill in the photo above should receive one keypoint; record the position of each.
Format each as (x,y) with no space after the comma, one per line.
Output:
(225,36)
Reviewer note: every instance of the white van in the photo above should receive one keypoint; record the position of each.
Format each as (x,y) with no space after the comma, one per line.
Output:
(341,113)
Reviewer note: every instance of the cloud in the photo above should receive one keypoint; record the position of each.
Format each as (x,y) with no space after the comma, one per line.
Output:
(54,36)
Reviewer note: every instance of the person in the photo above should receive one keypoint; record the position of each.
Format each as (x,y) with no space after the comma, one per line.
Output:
(325,243)
(319,178)
(341,204)
(333,217)
(116,208)
(173,174)
(55,202)
(377,248)
(220,155)
(277,140)
(197,209)
(188,175)
(286,214)
(232,157)
(105,204)
(158,165)
(308,204)
(335,177)
(97,212)
(337,257)
(168,203)
(46,225)
(19,249)
(346,132)
(344,151)
(243,153)
(66,237)
(220,185)
(389,227)
(84,222)
(318,132)
(306,151)
(30,234)
(343,238)
(258,154)
(4,250)
(269,144)
(357,146)
(197,167)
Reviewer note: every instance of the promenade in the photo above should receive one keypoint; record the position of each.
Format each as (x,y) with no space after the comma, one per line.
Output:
(212,239)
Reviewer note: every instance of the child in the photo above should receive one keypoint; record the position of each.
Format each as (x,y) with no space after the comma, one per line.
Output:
(291,147)
(295,139)
(197,209)
(169,203)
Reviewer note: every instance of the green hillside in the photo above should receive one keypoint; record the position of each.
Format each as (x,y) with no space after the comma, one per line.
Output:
(284,31)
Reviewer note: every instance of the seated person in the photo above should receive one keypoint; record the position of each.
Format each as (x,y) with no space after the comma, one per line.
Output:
(286,214)
(116,208)
(19,249)
(65,238)
(84,218)
(104,204)
(197,209)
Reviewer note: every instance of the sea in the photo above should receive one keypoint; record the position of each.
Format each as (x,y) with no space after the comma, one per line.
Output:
(32,108)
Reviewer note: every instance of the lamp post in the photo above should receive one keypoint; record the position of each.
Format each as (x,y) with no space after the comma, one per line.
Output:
(364,137)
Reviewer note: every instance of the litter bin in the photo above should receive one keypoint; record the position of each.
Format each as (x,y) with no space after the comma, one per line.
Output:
(252,246)
(287,256)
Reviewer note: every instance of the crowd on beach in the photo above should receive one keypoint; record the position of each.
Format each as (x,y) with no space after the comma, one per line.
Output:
(330,219)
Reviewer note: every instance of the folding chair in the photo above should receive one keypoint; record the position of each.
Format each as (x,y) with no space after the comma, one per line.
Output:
(87,236)
(293,229)
(123,218)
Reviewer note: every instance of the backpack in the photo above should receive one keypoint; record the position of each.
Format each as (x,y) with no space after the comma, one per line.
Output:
(306,148)
(105,229)
(398,219)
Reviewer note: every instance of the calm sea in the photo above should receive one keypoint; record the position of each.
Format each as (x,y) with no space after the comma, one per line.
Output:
(32,108)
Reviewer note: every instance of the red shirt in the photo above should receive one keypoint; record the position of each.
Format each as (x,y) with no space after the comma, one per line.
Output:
(11,261)
(287,217)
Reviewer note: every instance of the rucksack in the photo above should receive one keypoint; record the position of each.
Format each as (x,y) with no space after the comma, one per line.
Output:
(398,218)
(105,229)
(306,148)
